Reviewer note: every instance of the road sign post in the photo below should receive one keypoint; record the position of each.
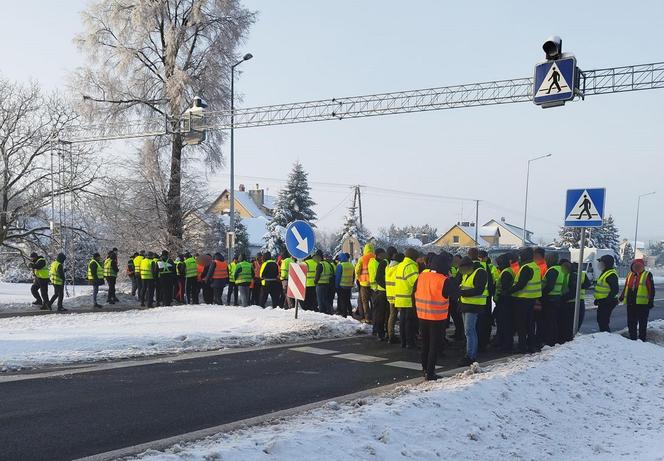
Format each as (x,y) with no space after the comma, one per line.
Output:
(584,208)
(297,283)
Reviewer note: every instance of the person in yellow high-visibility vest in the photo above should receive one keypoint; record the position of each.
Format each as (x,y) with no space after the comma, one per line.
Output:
(394,259)
(381,307)
(57,277)
(639,294)
(362,278)
(39,288)
(473,295)
(527,289)
(344,281)
(406,275)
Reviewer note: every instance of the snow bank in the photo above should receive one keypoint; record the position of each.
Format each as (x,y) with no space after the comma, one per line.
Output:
(57,339)
(16,297)
(599,397)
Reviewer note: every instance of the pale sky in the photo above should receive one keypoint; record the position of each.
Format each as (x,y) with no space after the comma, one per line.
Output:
(315,50)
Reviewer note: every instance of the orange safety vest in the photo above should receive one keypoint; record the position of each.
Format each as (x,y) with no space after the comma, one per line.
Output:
(199,269)
(220,270)
(257,269)
(543,268)
(429,300)
(364,273)
(515,267)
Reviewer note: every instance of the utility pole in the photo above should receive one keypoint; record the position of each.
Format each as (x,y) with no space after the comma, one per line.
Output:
(477,224)
(638,209)
(358,197)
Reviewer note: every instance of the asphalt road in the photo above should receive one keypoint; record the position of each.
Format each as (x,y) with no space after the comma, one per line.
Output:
(81,414)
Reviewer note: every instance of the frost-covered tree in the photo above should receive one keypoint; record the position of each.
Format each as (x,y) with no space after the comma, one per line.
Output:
(293,203)
(241,237)
(148,59)
(627,253)
(33,170)
(425,233)
(352,228)
(608,235)
(570,237)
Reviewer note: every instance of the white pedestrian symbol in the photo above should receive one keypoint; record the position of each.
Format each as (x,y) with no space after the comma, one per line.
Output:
(553,83)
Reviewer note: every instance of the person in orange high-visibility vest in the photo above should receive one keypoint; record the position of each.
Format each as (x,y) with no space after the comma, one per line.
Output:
(218,277)
(433,290)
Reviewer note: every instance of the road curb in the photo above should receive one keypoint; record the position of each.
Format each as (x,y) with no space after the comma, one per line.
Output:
(270,418)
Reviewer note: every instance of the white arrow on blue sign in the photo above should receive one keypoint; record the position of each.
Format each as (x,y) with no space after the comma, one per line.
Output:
(300,239)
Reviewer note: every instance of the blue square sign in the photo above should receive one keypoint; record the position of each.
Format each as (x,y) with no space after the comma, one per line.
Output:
(554,81)
(585,207)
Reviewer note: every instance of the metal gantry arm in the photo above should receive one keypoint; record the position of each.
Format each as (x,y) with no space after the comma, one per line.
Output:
(599,81)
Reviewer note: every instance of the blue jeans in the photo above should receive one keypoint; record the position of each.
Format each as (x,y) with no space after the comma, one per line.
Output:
(469,324)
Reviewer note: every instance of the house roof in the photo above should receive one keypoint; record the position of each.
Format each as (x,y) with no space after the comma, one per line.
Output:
(515,230)
(470,232)
(256,228)
(245,200)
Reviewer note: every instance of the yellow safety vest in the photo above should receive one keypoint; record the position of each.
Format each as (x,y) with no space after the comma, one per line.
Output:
(558,288)
(326,273)
(406,275)
(108,269)
(99,269)
(347,273)
(285,266)
(146,269)
(55,278)
(641,290)
(311,272)
(602,289)
(43,272)
(533,288)
(390,281)
(468,281)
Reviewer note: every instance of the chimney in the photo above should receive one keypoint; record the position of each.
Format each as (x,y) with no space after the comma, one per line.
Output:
(241,188)
(258,196)
(502,218)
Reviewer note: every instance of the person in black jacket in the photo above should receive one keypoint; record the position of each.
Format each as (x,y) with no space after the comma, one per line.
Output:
(638,303)
(524,307)
(381,305)
(39,288)
(470,310)
(270,284)
(547,329)
(57,280)
(111,277)
(605,305)
(504,309)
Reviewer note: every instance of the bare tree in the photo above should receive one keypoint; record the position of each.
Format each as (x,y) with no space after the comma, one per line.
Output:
(150,58)
(29,121)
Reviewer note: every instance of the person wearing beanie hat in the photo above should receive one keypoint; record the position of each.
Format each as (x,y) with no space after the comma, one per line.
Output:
(95,277)
(606,292)
(57,275)
(344,280)
(639,295)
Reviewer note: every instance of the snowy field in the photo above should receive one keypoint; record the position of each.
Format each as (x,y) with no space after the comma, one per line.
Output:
(36,341)
(16,297)
(600,397)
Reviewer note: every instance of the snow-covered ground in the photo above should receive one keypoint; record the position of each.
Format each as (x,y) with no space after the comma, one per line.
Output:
(35,341)
(599,397)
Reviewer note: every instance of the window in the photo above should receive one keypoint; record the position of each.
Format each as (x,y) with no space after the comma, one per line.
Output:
(455,239)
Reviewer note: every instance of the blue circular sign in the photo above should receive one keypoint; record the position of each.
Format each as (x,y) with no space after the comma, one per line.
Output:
(300,239)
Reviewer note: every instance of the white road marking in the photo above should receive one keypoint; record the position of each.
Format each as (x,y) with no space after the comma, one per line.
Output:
(314,350)
(360,357)
(407,365)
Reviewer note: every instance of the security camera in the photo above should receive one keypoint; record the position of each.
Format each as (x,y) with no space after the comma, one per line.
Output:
(553,47)
(199,102)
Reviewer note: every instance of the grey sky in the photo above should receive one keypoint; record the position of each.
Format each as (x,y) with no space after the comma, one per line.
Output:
(314,49)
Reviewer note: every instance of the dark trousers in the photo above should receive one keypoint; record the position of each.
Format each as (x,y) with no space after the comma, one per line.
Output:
(180,289)
(135,284)
(637,315)
(549,323)
(157,291)
(381,313)
(148,292)
(310,299)
(59,294)
(344,307)
(232,288)
(432,343)
(191,290)
(218,291)
(273,290)
(208,293)
(604,309)
(457,318)
(565,321)
(323,299)
(523,322)
(256,293)
(39,290)
(166,290)
(110,297)
(484,325)
(407,326)
(504,314)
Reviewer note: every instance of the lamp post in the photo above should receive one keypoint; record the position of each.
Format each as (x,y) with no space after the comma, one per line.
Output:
(638,209)
(246,57)
(525,208)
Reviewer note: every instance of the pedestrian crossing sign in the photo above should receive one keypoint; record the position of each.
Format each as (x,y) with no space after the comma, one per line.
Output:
(584,207)
(554,82)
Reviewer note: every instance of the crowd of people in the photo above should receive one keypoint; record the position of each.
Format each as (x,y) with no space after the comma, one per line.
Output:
(526,293)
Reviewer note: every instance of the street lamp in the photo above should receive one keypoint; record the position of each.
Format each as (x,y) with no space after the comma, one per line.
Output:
(525,208)
(246,57)
(638,208)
